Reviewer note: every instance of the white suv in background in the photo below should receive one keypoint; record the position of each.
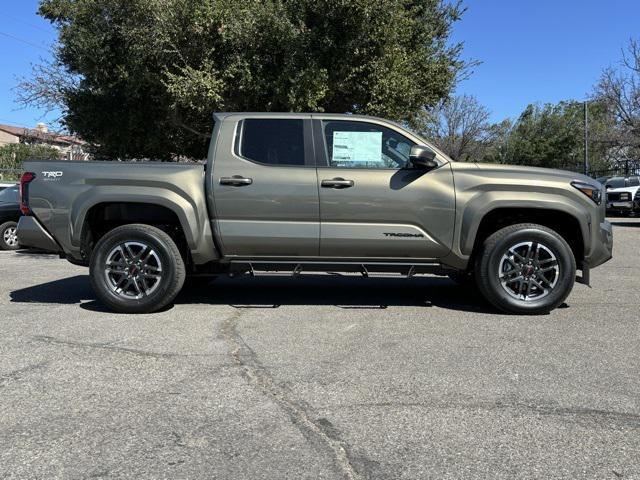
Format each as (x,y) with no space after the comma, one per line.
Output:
(623,195)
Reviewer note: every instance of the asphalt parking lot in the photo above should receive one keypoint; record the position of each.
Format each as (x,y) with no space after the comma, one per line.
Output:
(320,378)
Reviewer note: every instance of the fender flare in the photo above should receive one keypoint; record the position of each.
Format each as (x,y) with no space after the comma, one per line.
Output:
(187,214)
(486,202)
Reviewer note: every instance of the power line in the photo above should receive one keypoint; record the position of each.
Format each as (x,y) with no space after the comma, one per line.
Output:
(16,19)
(24,41)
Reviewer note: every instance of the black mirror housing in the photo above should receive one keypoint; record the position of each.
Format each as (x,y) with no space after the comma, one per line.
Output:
(423,157)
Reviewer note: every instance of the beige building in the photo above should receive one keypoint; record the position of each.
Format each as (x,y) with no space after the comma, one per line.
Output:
(70,147)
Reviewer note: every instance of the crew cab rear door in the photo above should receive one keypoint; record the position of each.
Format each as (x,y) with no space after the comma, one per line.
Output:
(265,187)
(373,204)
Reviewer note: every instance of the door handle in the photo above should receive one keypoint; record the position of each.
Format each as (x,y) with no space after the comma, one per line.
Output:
(236,181)
(337,183)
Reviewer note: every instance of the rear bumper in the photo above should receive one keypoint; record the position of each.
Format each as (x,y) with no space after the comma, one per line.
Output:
(601,246)
(32,234)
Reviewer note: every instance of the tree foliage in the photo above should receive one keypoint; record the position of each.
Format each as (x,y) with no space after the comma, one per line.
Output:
(140,78)
(552,135)
(13,154)
(549,135)
(619,90)
(460,127)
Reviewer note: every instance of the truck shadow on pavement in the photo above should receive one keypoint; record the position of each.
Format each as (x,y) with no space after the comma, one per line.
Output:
(274,292)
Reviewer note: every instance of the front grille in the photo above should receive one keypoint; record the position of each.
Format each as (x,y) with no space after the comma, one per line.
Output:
(619,197)
(613,197)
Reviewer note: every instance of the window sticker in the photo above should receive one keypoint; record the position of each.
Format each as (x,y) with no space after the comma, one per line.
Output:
(363,147)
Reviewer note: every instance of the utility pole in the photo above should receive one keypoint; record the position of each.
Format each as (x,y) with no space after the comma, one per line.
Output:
(586,137)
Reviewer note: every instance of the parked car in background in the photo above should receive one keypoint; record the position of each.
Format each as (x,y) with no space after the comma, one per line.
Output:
(619,182)
(7,185)
(623,195)
(9,216)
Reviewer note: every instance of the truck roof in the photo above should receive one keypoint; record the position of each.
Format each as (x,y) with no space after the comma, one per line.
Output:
(218,116)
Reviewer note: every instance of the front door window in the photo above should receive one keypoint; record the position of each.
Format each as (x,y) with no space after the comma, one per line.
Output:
(365,145)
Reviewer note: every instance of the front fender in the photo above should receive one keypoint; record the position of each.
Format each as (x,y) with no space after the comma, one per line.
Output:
(483,203)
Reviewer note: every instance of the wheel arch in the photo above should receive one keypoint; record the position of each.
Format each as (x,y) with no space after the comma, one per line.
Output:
(167,208)
(568,222)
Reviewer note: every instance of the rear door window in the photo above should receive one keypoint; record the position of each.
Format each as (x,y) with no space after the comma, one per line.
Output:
(277,142)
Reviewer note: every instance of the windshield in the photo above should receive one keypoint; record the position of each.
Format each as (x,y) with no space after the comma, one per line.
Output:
(615,182)
(10,195)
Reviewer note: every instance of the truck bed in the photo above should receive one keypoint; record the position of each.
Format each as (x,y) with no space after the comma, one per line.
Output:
(64,192)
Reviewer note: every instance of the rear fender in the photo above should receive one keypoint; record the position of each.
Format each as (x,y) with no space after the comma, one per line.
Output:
(195,226)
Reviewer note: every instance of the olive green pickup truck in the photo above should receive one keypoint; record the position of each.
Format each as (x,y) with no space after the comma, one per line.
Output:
(297,193)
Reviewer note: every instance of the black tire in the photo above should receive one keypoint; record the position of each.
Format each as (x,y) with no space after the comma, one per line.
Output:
(8,238)
(165,270)
(493,254)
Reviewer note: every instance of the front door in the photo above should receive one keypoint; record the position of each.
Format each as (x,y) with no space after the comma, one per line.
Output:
(372,203)
(265,188)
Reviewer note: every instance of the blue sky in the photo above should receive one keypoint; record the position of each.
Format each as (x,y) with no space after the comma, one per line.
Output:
(541,50)
(532,51)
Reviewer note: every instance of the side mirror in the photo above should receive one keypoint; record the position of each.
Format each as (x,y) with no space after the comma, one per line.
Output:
(423,157)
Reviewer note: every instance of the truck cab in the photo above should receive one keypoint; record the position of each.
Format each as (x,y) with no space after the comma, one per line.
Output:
(326,187)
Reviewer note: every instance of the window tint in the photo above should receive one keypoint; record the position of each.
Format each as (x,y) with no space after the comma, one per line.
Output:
(272,141)
(10,195)
(615,182)
(365,145)
(634,181)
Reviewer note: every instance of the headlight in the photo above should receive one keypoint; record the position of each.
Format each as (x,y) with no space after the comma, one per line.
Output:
(591,191)
(625,196)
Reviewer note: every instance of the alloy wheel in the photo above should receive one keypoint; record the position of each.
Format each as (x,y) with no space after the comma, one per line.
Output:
(528,271)
(11,236)
(133,270)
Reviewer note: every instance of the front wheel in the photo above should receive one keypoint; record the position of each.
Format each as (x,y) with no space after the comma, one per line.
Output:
(9,236)
(136,269)
(525,269)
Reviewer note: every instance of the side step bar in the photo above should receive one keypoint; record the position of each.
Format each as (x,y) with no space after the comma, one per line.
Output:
(371,269)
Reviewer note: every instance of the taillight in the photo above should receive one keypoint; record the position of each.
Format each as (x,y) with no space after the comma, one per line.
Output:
(26,178)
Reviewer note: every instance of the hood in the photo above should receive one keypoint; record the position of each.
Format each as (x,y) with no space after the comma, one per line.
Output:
(535,172)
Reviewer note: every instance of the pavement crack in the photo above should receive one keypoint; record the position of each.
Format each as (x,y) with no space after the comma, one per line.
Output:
(318,431)
(109,346)
(541,408)
(17,374)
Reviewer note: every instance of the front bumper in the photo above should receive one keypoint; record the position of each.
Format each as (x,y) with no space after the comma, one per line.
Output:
(626,206)
(32,234)
(601,246)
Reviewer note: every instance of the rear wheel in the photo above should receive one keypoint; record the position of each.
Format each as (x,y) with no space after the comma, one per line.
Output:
(9,236)
(136,269)
(525,269)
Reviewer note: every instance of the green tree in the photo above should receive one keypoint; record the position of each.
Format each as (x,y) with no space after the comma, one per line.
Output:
(13,154)
(552,135)
(140,78)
